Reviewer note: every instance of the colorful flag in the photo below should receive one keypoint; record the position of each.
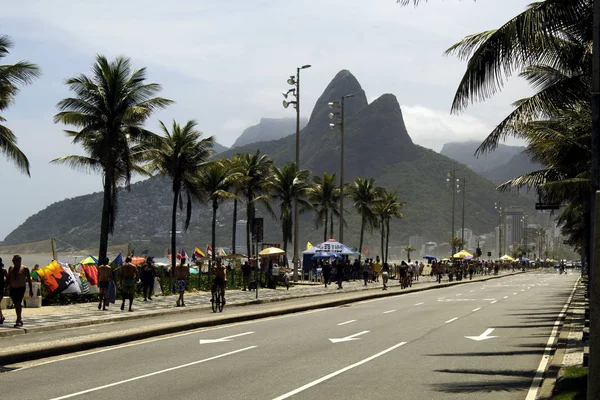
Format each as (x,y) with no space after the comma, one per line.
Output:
(309,245)
(117,262)
(57,279)
(209,251)
(221,252)
(181,254)
(91,273)
(366,251)
(198,253)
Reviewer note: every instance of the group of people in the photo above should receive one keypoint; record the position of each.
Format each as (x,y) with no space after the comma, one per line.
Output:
(17,278)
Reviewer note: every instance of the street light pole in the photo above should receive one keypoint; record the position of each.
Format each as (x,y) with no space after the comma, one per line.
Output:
(295,81)
(451,180)
(498,206)
(332,126)
(464,191)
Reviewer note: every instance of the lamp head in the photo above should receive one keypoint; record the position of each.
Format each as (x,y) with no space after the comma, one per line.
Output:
(332,126)
(291,81)
(348,96)
(305,66)
(286,104)
(331,115)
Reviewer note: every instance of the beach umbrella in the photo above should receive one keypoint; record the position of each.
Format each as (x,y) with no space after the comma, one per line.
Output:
(445,259)
(507,258)
(271,251)
(430,257)
(325,254)
(462,254)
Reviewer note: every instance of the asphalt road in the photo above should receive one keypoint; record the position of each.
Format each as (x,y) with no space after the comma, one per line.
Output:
(409,347)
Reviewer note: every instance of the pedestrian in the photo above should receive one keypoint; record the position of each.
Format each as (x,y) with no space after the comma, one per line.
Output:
(181,275)
(355,269)
(385,273)
(326,272)
(376,269)
(340,274)
(246,269)
(18,277)
(104,279)
(365,271)
(3,276)
(148,274)
(129,275)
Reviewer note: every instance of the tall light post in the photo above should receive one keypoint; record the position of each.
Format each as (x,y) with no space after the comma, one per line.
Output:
(453,183)
(464,191)
(498,207)
(295,81)
(334,115)
(524,221)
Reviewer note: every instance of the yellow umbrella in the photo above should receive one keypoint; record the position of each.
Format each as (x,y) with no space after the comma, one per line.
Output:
(271,251)
(507,258)
(462,254)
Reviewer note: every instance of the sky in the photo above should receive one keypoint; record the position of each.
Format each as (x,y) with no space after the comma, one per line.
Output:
(226,62)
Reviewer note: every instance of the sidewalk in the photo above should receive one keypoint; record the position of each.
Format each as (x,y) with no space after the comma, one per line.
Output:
(58,330)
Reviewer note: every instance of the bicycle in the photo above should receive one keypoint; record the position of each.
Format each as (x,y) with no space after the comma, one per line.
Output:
(218,299)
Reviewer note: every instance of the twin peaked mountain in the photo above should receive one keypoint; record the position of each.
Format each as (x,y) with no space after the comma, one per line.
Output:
(377,145)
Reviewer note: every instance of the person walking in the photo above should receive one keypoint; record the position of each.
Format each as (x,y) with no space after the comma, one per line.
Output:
(18,277)
(246,269)
(129,275)
(148,274)
(181,275)
(104,279)
(340,273)
(365,271)
(3,276)
(385,274)
(376,269)
(326,272)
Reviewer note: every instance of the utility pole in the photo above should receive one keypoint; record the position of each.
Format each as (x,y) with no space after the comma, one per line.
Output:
(464,191)
(453,183)
(498,207)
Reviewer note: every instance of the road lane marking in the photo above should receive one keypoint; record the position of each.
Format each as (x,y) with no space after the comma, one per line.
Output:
(514,294)
(418,304)
(224,339)
(483,336)
(537,379)
(348,338)
(389,311)
(522,290)
(489,299)
(459,294)
(477,309)
(471,291)
(152,374)
(493,302)
(505,297)
(441,298)
(451,320)
(340,371)
(347,322)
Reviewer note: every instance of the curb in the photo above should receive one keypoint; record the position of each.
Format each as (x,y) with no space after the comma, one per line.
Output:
(119,337)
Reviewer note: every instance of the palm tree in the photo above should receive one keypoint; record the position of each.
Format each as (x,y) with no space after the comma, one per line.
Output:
(181,154)
(254,176)
(214,184)
(109,108)
(386,207)
(363,194)
(409,249)
(456,243)
(234,166)
(12,76)
(288,184)
(325,197)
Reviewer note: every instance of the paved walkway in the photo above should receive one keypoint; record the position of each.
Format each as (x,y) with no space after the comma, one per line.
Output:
(59,317)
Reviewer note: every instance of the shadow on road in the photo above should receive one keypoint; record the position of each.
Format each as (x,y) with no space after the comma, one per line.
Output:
(489,354)
(505,381)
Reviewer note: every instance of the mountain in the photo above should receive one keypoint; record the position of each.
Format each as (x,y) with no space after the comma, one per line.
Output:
(219,148)
(268,129)
(504,163)
(377,145)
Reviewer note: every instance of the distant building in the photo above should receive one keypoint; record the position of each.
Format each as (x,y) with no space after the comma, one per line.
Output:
(240,237)
(416,241)
(514,227)
(470,242)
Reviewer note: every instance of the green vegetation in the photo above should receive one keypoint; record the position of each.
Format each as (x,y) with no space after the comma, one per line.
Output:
(12,76)
(572,385)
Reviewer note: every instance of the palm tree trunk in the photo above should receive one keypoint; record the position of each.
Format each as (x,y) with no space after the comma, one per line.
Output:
(325,224)
(387,239)
(248,225)
(362,235)
(382,237)
(174,227)
(234,227)
(213,241)
(331,224)
(105,221)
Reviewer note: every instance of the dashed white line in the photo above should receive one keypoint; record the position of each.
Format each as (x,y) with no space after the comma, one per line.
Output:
(347,322)
(460,294)
(495,301)
(471,291)
(441,298)
(451,320)
(522,290)
(514,294)
(505,297)
(389,311)
(477,309)
(418,304)
(488,299)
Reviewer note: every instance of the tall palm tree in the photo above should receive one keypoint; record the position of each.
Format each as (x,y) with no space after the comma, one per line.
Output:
(214,184)
(110,108)
(288,184)
(255,172)
(386,207)
(12,76)
(181,154)
(363,194)
(234,166)
(325,197)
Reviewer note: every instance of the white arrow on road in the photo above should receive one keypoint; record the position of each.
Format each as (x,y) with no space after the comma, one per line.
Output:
(483,336)
(225,339)
(348,338)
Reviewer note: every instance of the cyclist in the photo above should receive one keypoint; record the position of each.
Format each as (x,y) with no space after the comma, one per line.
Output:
(220,278)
